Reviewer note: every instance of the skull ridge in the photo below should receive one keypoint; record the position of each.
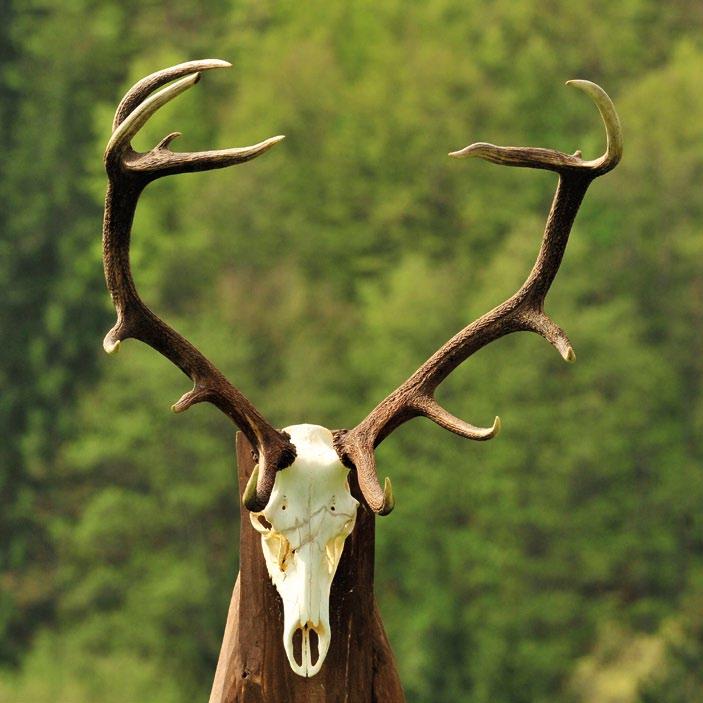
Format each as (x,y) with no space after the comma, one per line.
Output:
(303,528)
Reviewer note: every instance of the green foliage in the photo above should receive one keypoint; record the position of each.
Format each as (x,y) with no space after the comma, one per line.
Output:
(681,679)
(66,670)
(317,278)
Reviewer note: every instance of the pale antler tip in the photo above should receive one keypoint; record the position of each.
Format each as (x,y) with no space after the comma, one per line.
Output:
(388,498)
(181,404)
(208,64)
(588,87)
(497,426)
(242,154)
(569,355)
(110,344)
(249,496)
(582,84)
(261,147)
(479,149)
(461,153)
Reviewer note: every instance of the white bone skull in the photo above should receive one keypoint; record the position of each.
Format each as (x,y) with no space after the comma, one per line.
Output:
(303,528)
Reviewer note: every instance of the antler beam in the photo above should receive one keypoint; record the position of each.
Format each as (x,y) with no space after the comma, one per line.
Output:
(524,311)
(129,172)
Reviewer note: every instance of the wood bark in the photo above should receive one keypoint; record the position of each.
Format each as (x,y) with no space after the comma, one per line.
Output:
(252,667)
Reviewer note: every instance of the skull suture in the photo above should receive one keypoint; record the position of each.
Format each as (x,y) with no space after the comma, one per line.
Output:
(303,528)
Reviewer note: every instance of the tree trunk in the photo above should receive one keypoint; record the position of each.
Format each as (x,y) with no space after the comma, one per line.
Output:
(252,666)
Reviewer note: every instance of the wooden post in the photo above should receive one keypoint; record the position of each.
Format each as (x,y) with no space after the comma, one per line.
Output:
(252,666)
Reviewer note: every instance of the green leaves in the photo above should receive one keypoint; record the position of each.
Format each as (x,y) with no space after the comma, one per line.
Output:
(317,278)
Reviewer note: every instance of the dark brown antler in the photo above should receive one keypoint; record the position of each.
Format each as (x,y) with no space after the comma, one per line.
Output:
(129,172)
(524,311)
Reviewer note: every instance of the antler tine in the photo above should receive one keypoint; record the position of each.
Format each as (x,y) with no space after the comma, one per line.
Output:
(141,89)
(129,172)
(524,311)
(552,160)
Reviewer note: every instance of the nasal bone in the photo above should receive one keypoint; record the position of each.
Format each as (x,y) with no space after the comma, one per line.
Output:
(307,631)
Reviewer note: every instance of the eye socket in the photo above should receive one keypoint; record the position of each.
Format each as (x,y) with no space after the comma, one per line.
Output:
(260,523)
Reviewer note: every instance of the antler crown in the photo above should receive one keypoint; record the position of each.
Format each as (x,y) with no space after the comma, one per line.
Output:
(129,172)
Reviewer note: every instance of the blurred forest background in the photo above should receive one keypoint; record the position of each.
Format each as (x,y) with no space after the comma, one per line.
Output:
(559,563)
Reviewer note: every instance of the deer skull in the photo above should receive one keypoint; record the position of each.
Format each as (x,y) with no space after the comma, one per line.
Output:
(303,528)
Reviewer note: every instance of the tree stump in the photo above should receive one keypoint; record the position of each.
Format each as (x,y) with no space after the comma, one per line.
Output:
(252,666)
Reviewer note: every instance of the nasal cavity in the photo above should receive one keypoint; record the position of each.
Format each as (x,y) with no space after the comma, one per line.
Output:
(314,648)
(298,646)
(306,638)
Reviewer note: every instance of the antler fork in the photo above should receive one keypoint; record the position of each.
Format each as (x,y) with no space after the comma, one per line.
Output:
(129,172)
(524,311)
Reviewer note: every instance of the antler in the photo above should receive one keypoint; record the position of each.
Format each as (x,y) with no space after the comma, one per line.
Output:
(524,311)
(129,172)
